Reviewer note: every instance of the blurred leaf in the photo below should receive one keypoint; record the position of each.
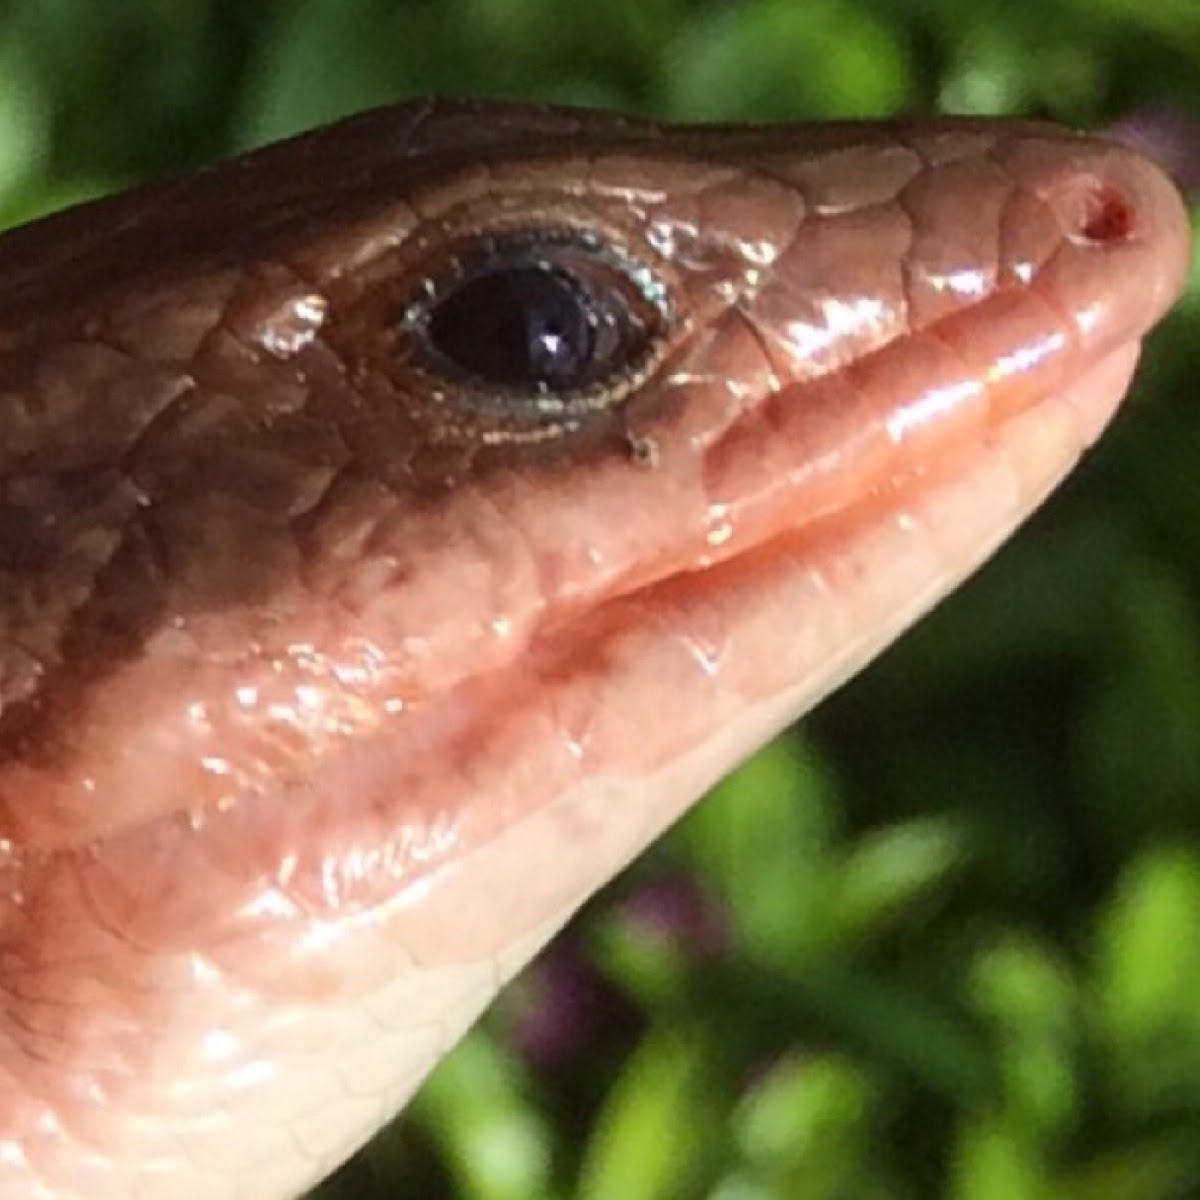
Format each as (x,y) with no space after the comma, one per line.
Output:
(776,58)
(24,119)
(990,1163)
(988,71)
(658,939)
(1004,60)
(1018,985)
(805,1125)
(653,969)
(890,869)
(1148,954)
(1030,1001)
(495,1139)
(329,58)
(744,1187)
(659,1124)
(762,842)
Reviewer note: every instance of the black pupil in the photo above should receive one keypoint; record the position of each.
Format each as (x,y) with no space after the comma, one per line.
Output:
(527,327)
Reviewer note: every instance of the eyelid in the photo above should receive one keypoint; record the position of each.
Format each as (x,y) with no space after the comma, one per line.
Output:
(596,259)
(454,417)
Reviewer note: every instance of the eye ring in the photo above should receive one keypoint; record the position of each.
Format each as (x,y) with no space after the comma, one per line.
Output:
(540,327)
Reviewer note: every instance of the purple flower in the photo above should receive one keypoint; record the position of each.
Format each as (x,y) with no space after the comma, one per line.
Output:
(674,908)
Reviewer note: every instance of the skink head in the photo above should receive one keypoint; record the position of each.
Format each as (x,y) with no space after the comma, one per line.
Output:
(399,527)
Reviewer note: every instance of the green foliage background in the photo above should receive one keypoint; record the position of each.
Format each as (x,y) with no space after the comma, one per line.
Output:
(958,914)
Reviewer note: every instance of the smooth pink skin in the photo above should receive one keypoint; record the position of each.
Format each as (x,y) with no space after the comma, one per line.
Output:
(298,843)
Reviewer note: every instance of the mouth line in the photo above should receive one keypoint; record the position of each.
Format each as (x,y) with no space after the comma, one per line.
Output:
(794,508)
(792,534)
(895,485)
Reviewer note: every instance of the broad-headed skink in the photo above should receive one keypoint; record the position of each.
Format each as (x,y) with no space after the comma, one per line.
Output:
(400,526)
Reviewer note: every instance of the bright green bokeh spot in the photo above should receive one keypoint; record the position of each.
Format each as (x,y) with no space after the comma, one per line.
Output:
(1029,1001)
(892,869)
(990,1163)
(496,1140)
(808,1122)
(1148,971)
(657,1127)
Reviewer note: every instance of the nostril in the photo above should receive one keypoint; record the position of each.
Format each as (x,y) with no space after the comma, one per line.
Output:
(1105,215)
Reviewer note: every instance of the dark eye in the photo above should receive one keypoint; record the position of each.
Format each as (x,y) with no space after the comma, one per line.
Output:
(546,316)
(533,328)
